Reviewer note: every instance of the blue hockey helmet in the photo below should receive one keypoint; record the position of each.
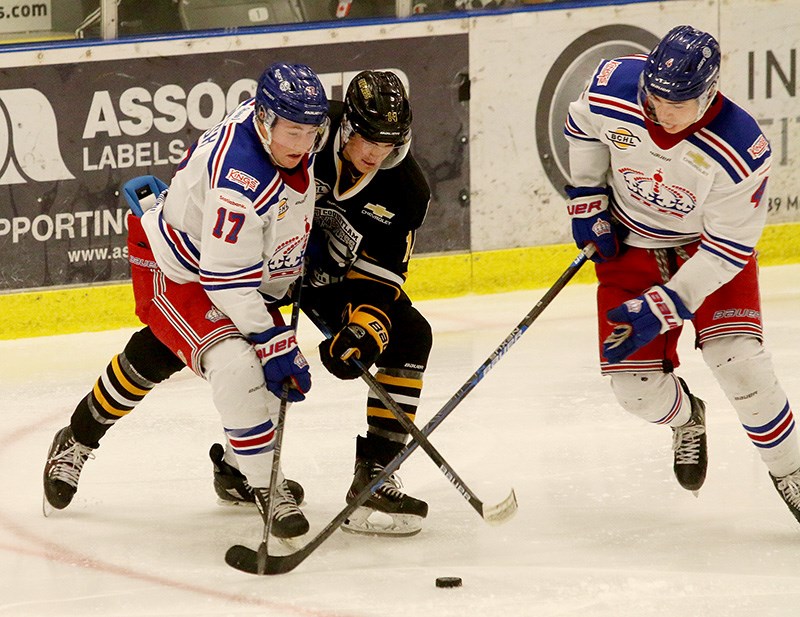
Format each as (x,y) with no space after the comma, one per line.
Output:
(292,92)
(683,66)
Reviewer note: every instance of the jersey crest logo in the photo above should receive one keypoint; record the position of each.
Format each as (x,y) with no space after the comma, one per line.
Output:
(622,138)
(214,315)
(606,72)
(248,182)
(378,212)
(759,148)
(287,260)
(652,191)
(323,188)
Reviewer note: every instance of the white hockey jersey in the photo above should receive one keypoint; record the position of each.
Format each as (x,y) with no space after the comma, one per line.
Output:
(709,186)
(234,222)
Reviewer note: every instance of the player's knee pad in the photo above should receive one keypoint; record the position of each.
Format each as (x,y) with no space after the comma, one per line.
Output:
(410,341)
(654,397)
(743,368)
(238,389)
(150,358)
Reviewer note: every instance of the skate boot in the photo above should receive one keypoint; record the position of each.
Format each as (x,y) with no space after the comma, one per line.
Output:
(388,511)
(288,521)
(62,470)
(232,487)
(788,488)
(689,446)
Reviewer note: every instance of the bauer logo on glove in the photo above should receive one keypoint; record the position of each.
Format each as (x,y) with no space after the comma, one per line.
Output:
(364,338)
(281,360)
(592,223)
(640,320)
(277,346)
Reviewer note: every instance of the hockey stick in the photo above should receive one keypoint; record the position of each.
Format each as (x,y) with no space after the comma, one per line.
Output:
(263,549)
(246,559)
(498,513)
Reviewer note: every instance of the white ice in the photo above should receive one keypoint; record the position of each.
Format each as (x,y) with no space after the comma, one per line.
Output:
(603,529)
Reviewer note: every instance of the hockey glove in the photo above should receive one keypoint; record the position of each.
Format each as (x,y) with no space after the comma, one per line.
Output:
(592,222)
(281,358)
(364,337)
(640,320)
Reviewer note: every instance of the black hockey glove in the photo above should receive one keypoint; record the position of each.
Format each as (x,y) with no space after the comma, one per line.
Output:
(364,337)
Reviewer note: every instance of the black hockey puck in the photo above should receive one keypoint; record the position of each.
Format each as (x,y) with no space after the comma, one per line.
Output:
(448,581)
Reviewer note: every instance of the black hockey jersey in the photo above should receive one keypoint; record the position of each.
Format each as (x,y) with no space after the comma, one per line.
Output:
(363,233)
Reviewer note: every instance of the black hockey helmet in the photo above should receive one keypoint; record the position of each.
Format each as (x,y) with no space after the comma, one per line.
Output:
(376,107)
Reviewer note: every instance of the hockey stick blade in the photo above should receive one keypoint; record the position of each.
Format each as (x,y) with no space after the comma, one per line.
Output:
(246,560)
(503,511)
(383,395)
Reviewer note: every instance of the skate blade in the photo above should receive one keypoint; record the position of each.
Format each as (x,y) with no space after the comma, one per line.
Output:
(291,545)
(235,504)
(369,522)
(47,509)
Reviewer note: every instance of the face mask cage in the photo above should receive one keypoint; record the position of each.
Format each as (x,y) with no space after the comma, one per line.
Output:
(704,101)
(267,118)
(393,159)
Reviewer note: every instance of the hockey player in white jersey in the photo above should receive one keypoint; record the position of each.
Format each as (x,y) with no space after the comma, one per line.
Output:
(669,185)
(209,264)
(367,168)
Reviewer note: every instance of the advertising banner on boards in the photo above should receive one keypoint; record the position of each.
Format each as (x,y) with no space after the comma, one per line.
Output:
(76,132)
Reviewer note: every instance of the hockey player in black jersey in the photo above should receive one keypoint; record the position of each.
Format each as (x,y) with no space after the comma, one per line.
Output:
(371,199)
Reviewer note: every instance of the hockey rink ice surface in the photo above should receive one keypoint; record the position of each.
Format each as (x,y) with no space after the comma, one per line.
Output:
(603,529)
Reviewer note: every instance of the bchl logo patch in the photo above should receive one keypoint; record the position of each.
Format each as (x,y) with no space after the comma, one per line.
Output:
(283,208)
(622,138)
(248,182)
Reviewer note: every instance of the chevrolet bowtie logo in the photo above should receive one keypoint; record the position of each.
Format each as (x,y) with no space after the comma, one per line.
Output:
(379,211)
(698,159)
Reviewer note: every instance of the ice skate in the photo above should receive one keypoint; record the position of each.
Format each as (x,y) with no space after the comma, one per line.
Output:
(388,511)
(689,447)
(288,521)
(232,487)
(62,470)
(788,488)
